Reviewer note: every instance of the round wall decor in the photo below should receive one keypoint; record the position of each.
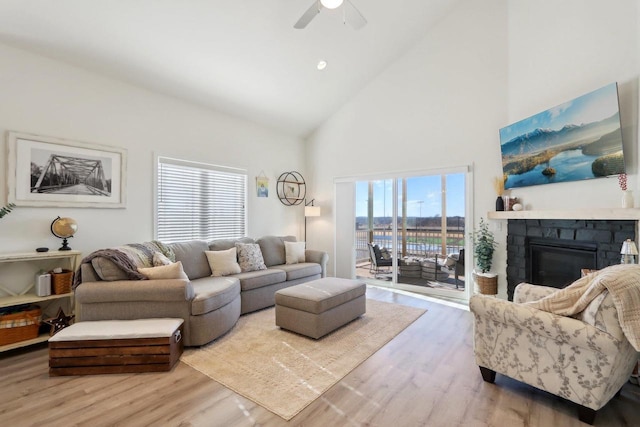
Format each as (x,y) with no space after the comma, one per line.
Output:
(291,188)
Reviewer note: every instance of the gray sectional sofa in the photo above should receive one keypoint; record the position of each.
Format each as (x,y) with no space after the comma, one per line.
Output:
(210,306)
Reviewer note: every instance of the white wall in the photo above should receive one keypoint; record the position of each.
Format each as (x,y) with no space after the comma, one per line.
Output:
(51,98)
(559,50)
(485,66)
(438,106)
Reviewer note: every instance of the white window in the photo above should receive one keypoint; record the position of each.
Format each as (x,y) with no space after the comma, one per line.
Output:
(199,201)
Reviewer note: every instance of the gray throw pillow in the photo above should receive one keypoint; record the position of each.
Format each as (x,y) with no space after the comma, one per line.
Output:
(107,270)
(250,257)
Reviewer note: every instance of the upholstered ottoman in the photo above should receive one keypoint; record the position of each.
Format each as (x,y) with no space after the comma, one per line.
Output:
(321,306)
(116,346)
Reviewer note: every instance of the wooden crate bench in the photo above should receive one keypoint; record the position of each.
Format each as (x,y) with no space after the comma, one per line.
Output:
(116,346)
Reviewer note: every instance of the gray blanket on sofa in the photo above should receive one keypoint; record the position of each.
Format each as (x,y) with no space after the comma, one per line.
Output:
(128,258)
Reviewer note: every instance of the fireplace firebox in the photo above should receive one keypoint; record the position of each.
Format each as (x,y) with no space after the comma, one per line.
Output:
(556,262)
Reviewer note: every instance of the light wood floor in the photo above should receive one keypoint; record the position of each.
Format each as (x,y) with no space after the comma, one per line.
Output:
(426,376)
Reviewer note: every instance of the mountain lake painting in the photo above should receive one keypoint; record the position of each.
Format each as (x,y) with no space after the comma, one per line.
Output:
(580,139)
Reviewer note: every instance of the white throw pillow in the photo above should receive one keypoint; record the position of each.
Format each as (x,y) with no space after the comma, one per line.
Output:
(294,252)
(171,271)
(223,263)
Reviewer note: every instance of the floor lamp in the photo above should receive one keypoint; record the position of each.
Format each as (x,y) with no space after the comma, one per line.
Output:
(309,210)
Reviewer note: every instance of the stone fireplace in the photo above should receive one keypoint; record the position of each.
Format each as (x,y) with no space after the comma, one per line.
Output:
(552,252)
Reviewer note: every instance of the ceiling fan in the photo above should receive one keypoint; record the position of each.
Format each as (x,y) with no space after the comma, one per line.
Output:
(349,13)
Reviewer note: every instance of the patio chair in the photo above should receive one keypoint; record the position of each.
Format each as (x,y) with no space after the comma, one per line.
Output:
(378,262)
(459,266)
(455,262)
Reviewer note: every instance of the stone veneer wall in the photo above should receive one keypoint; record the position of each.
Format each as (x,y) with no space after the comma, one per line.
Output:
(608,234)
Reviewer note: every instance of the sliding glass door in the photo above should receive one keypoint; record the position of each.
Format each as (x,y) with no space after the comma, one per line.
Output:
(410,231)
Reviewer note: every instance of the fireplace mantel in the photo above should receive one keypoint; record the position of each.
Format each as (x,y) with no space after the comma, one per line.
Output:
(596,213)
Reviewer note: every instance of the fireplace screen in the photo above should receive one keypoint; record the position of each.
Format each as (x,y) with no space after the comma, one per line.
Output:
(558,263)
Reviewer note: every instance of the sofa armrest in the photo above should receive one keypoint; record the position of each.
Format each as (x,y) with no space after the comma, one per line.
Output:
(319,257)
(542,324)
(135,290)
(526,292)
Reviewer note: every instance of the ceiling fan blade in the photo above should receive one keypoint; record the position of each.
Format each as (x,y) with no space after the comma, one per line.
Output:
(308,15)
(353,16)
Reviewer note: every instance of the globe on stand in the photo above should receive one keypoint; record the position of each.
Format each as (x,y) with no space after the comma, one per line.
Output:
(64,228)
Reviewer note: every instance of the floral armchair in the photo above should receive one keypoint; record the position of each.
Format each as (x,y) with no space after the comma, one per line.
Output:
(585,359)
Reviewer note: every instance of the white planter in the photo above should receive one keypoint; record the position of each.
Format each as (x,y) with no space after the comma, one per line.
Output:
(627,199)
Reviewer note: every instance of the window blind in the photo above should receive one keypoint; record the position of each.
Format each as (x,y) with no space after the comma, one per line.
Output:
(199,201)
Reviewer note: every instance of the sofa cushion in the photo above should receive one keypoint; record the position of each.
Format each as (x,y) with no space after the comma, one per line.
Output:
(224,244)
(194,261)
(212,293)
(273,249)
(223,263)
(300,270)
(108,270)
(294,252)
(257,279)
(250,257)
(171,271)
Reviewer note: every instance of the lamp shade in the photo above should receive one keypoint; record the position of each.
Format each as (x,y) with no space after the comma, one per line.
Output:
(312,211)
(629,248)
(331,4)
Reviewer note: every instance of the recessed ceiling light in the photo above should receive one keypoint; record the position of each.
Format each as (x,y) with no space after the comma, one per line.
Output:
(322,64)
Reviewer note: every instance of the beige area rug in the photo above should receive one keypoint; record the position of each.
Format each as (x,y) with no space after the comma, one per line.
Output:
(284,372)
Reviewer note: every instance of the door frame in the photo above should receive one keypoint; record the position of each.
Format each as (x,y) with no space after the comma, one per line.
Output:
(467,170)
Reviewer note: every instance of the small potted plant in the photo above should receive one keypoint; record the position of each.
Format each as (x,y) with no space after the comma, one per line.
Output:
(484,245)
(6,209)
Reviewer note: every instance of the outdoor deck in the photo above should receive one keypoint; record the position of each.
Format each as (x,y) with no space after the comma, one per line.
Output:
(421,242)
(363,271)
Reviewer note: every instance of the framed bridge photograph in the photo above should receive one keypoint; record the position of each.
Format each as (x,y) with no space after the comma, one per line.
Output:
(48,171)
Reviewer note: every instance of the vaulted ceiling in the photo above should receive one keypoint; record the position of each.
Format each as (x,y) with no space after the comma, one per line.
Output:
(242,57)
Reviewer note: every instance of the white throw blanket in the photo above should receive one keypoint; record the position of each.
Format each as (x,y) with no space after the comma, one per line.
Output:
(622,282)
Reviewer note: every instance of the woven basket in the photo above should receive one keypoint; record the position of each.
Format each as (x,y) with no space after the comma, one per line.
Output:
(61,282)
(20,326)
(486,285)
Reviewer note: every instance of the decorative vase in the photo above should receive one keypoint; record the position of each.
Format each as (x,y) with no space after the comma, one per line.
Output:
(627,199)
(499,204)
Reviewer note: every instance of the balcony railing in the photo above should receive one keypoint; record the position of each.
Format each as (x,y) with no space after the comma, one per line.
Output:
(421,242)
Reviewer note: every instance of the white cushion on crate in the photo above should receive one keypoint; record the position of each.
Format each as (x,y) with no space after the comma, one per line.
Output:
(118,329)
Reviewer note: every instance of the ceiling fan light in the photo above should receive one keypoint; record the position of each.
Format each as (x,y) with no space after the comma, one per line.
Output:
(331,4)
